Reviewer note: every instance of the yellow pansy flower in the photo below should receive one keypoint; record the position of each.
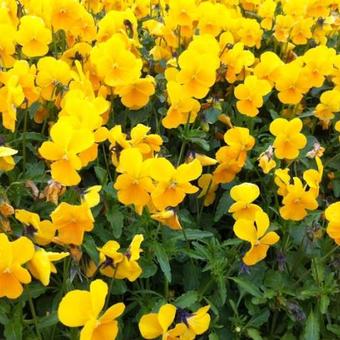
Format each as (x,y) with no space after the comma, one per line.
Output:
(332,214)
(6,160)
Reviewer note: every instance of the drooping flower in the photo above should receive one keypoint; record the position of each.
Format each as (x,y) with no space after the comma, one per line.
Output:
(168,217)
(255,232)
(12,256)
(82,308)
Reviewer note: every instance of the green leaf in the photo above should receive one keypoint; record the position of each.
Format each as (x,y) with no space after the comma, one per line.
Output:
(312,327)
(247,286)
(101,174)
(335,329)
(187,299)
(48,320)
(211,114)
(13,328)
(223,205)
(116,219)
(163,260)
(91,248)
(193,234)
(254,334)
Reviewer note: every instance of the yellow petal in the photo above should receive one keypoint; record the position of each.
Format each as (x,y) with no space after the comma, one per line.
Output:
(255,254)
(166,316)
(245,230)
(149,326)
(98,291)
(188,172)
(270,238)
(246,192)
(113,312)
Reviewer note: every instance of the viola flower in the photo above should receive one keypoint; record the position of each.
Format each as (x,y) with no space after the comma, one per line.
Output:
(297,201)
(206,183)
(41,265)
(82,308)
(169,218)
(255,233)
(33,36)
(250,95)
(67,142)
(109,257)
(332,214)
(288,137)
(42,232)
(7,162)
(91,195)
(71,222)
(329,104)
(268,67)
(134,185)
(244,194)
(282,179)
(313,177)
(266,161)
(13,255)
(173,183)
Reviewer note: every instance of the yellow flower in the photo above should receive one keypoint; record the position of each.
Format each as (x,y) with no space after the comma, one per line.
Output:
(6,160)
(64,14)
(41,265)
(332,214)
(329,104)
(134,185)
(314,177)
(63,151)
(206,183)
(249,32)
(244,194)
(42,231)
(137,94)
(33,36)
(297,201)
(12,256)
(266,161)
(255,233)
(250,95)
(91,196)
(82,308)
(7,45)
(183,107)
(268,67)
(288,139)
(71,222)
(282,179)
(153,325)
(169,218)
(109,257)
(173,184)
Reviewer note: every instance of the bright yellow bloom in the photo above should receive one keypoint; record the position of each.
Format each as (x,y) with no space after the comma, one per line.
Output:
(329,104)
(6,160)
(91,196)
(297,201)
(12,256)
(206,183)
(33,36)
(249,32)
(7,45)
(244,194)
(63,151)
(255,233)
(71,222)
(42,231)
(332,214)
(169,218)
(137,94)
(250,95)
(314,177)
(268,67)
(41,265)
(282,179)
(173,183)
(82,308)
(288,137)
(266,161)
(183,107)
(64,14)
(109,257)
(134,185)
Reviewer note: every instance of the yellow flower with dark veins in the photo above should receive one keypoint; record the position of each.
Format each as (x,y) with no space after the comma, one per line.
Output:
(288,137)
(173,183)
(12,256)
(71,222)
(33,36)
(83,308)
(255,233)
(67,142)
(332,214)
(109,257)
(41,265)
(244,194)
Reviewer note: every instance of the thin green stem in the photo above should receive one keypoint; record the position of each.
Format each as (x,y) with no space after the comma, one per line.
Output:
(34,314)
(24,140)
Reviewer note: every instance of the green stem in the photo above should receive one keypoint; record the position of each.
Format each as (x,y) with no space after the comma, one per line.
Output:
(24,140)
(106,163)
(330,253)
(181,152)
(34,315)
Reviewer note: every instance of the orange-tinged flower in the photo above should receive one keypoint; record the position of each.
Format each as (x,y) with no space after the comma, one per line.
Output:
(266,161)
(250,95)
(288,137)
(255,232)
(63,151)
(41,265)
(244,194)
(137,94)
(33,36)
(6,160)
(71,222)
(82,308)
(12,256)
(332,214)
(206,183)
(64,14)
(134,185)
(173,183)
(42,231)
(109,257)
(297,201)
(169,218)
